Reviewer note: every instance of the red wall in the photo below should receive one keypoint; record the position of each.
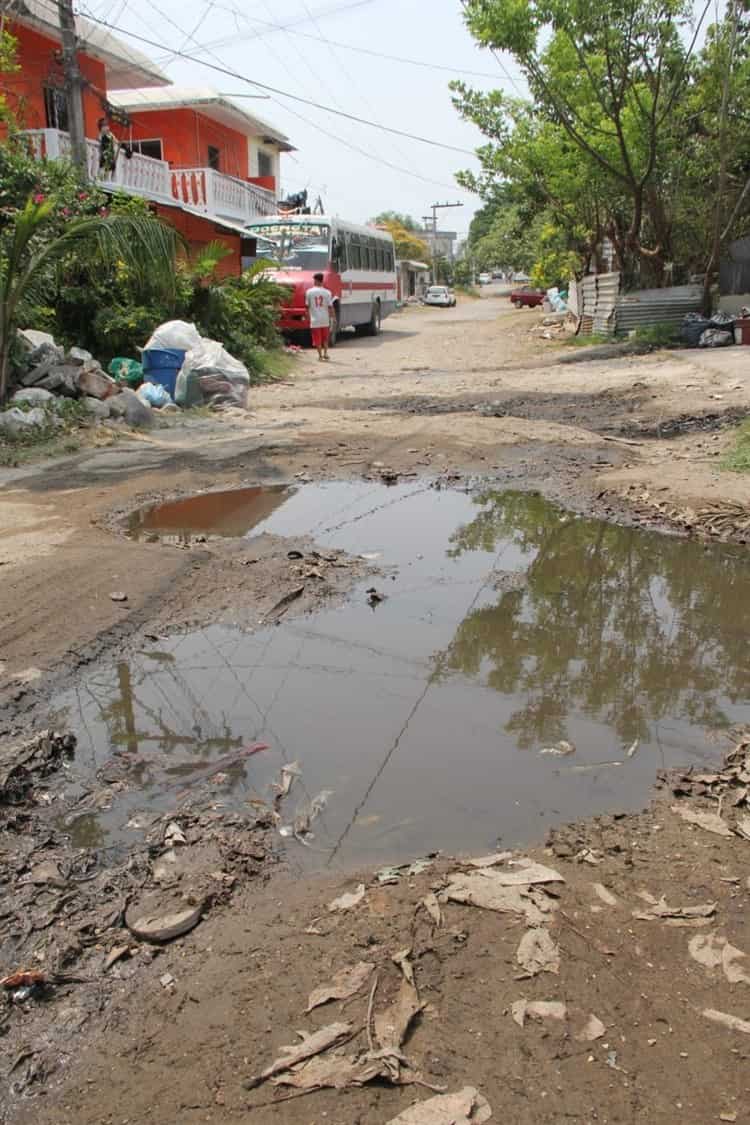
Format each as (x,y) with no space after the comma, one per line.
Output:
(37,56)
(199,232)
(185,136)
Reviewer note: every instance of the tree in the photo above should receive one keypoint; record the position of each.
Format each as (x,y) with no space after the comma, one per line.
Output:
(407,244)
(405,221)
(29,261)
(606,80)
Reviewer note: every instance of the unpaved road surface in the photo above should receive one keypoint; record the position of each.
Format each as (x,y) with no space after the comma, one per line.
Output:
(127,1031)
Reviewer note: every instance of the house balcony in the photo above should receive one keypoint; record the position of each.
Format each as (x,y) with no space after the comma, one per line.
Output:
(200,189)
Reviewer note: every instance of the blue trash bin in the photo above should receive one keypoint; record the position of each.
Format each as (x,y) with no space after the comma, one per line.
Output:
(162,365)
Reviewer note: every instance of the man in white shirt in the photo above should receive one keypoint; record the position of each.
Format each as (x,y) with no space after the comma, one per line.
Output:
(319,301)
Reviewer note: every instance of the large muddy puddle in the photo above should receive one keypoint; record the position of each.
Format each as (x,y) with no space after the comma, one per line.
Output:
(508,627)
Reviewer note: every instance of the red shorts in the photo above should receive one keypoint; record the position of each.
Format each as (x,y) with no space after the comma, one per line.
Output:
(320,337)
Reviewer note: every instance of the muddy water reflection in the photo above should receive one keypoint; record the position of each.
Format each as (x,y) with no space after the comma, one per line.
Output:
(508,625)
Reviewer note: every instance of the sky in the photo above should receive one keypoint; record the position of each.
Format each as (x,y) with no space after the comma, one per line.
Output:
(388,172)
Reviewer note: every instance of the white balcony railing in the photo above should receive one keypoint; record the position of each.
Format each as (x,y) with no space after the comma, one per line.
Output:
(138,175)
(203,189)
(217,194)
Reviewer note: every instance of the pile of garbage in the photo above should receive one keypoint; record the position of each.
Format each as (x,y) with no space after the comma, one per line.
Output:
(717,331)
(178,369)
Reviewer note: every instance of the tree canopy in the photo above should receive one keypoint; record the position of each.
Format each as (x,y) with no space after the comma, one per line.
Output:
(408,244)
(623,138)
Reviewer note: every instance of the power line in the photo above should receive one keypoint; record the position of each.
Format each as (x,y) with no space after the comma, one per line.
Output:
(284,93)
(351,47)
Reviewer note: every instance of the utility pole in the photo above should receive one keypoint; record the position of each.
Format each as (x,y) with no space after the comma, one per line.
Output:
(73,85)
(435,208)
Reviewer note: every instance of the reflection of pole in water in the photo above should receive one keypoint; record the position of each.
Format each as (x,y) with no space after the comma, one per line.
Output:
(126,697)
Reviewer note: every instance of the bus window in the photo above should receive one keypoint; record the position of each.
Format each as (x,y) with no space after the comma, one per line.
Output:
(380,253)
(372,253)
(355,259)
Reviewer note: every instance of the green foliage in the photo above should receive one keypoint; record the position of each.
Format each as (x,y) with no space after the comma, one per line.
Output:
(35,266)
(399,219)
(622,138)
(738,458)
(409,246)
(242,312)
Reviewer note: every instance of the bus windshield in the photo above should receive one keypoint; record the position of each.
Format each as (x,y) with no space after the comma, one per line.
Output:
(302,246)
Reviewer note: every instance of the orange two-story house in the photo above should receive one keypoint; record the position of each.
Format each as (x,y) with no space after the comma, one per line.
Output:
(206,165)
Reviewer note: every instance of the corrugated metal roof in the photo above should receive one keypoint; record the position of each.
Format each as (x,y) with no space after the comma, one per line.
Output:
(204,99)
(126,66)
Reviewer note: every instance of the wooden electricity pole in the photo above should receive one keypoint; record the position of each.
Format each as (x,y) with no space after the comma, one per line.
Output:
(73,85)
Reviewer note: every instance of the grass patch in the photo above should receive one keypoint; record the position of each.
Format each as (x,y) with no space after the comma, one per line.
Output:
(737,459)
(587,341)
(59,434)
(658,335)
(274,364)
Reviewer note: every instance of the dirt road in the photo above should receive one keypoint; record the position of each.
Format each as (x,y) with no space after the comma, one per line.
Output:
(427,584)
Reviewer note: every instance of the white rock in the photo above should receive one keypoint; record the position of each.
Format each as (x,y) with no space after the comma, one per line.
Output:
(36,396)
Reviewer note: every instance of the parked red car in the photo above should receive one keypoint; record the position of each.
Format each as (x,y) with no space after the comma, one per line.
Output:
(526,296)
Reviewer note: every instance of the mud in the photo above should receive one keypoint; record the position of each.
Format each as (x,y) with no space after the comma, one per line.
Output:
(424,706)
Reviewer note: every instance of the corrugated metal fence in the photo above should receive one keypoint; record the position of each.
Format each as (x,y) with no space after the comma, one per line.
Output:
(604,311)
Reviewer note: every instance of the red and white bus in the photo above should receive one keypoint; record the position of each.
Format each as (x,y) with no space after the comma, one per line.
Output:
(357,263)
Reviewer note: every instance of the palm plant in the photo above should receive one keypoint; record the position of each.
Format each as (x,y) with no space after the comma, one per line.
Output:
(29,261)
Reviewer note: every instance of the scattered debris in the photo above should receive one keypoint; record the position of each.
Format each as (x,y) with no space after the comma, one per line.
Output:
(711,822)
(523,872)
(118,596)
(312,1044)
(674,915)
(432,906)
(388,875)
(593,1029)
(345,984)
(115,954)
(306,815)
(711,950)
(734,1023)
(374,597)
(289,772)
(348,900)
(490,860)
(465,1105)
(606,896)
(537,1010)
(485,890)
(560,750)
(282,605)
(537,952)
(166,927)
(166,980)
(632,750)
(174,836)
(24,978)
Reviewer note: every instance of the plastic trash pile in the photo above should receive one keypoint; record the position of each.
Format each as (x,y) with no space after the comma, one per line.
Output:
(209,375)
(699,331)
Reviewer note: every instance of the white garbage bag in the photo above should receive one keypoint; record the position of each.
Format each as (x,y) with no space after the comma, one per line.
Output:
(175,334)
(220,376)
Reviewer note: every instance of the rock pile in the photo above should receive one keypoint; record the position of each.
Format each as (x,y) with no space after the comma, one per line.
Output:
(53,375)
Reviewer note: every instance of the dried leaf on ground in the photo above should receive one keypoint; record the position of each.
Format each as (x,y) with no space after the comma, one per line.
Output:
(479,888)
(392,1025)
(632,750)
(490,860)
(311,1044)
(524,872)
(402,960)
(465,1105)
(606,896)
(432,906)
(334,1072)
(348,900)
(675,915)
(711,950)
(709,821)
(537,1010)
(743,824)
(537,953)
(345,984)
(734,1023)
(593,1029)
(388,875)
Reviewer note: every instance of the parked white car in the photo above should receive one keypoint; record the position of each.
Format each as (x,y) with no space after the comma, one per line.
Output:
(485,279)
(440,295)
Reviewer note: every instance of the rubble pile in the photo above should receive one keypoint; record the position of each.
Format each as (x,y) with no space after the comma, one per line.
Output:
(53,377)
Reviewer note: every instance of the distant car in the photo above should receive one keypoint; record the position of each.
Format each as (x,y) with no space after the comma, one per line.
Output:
(527,297)
(485,278)
(440,295)
(520,278)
